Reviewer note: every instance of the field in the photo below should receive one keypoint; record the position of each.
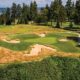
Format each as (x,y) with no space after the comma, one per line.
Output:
(58,58)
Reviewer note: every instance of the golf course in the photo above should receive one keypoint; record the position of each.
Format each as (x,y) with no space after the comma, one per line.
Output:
(39,39)
(39,48)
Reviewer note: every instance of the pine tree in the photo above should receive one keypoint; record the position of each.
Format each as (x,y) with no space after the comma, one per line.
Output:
(2,19)
(69,9)
(77,12)
(52,12)
(18,13)
(62,12)
(13,13)
(57,12)
(33,11)
(8,17)
(25,14)
(47,12)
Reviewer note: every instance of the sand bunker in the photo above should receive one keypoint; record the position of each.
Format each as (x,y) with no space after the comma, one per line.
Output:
(11,41)
(63,40)
(42,35)
(6,39)
(37,49)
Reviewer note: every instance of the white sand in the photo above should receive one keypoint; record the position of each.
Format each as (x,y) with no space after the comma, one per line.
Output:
(11,41)
(42,35)
(63,40)
(36,50)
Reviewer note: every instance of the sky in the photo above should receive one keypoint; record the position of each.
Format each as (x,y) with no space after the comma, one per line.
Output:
(8,3)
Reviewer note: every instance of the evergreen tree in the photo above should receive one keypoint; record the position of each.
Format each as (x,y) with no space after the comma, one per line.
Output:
(18,13)
(1,19)
(8,17)
(51,12)
(13,12)
(25,14)
(62,12)
(58,12)
(77,12)
(69,9)
(33,10)
(44,14)
(47,12)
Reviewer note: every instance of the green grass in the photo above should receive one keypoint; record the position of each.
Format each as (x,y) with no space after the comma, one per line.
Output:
(17,47)
(51,39)
(25,33)
(52,68)
(67,47)
(23,36)
(46,41)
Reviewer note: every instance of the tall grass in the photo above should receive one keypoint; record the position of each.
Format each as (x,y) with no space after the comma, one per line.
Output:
(53,68)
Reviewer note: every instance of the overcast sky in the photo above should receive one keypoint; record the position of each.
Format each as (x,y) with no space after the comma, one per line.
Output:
(8,3)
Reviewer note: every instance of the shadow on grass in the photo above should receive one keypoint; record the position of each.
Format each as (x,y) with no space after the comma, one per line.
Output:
(76,39)
(76,29)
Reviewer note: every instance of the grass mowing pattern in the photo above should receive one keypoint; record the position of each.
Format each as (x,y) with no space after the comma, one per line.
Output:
(53,68)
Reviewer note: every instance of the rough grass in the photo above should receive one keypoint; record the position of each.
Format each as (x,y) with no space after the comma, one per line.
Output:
(17,29)
(52,68)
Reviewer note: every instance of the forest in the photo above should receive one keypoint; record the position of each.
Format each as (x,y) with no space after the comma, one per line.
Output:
(31,13)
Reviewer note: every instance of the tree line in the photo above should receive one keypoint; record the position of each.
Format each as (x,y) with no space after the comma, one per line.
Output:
(55,12)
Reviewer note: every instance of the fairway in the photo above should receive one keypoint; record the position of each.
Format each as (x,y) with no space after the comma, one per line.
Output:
(29,35)
(19,41)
